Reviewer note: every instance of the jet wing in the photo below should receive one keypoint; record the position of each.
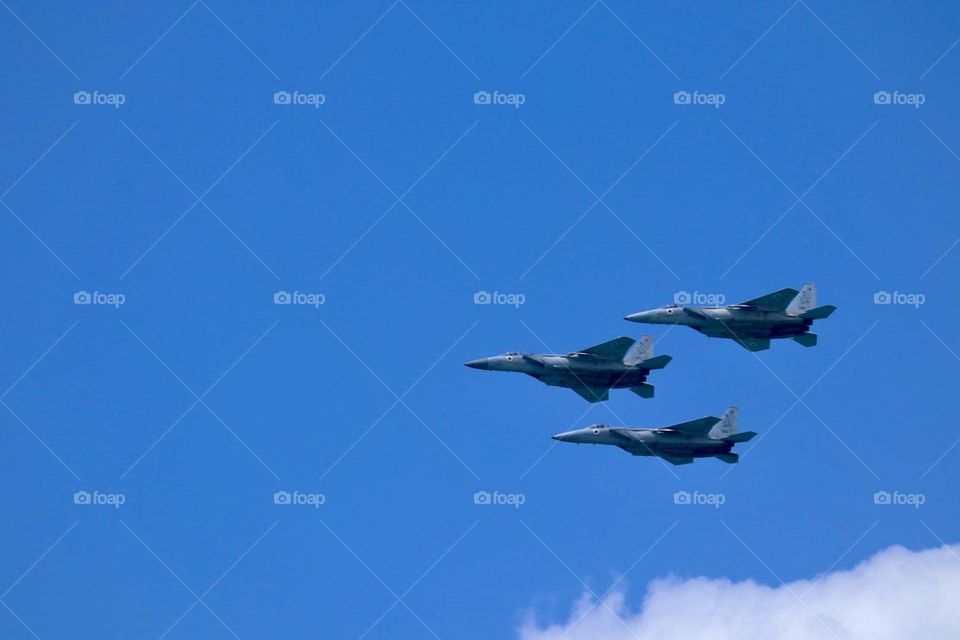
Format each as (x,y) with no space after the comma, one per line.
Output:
(754,344)
(592,394)
(676,459)
(777,301)
(611,350)
(699,427)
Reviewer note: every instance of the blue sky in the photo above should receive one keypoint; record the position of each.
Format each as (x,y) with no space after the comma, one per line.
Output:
(396,200)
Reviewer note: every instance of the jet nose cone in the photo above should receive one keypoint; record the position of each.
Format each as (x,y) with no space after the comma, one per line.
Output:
(562,437)
(640,316)
(479,363)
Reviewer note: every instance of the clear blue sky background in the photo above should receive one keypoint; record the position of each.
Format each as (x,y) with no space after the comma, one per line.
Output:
(495,191)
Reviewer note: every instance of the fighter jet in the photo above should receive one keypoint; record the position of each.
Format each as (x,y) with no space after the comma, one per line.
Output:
(787,313)
(591,372)
(677,443)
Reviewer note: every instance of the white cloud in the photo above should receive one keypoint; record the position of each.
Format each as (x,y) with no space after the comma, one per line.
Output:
(897,594)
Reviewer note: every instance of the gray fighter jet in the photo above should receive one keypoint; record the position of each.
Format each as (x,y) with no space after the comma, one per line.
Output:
(677,443)
(787,313)
(618,364)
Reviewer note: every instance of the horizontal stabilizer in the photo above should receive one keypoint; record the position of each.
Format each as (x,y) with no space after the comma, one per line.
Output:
(806,339)
(729,458)
(741,437)
(643,390)
(657,362)
(819,313)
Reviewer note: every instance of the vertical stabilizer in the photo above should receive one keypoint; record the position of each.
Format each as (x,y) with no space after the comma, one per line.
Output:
(805,300)
(727,425)
(641,350)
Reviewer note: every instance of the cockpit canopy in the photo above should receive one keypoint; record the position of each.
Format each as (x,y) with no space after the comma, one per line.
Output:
(670,306)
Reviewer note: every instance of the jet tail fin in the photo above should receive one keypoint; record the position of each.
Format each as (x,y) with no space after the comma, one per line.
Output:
(819,313)
(727,425)
(805,300)
(729,458)
(644,390)
(806,339)
(746,436)
(641,355)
